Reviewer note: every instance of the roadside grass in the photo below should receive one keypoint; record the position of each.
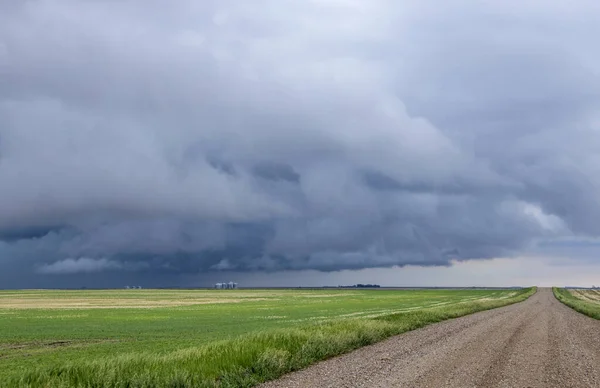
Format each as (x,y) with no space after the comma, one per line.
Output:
(249,359)
(587,307)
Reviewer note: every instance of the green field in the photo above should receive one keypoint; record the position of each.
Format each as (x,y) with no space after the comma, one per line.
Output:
(582,300)
(183,338)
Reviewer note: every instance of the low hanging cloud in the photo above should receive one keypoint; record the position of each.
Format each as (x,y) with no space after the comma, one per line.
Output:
(327,135)
(81,265)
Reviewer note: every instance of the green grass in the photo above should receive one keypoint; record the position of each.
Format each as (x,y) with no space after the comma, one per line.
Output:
(581,302)
(228,338)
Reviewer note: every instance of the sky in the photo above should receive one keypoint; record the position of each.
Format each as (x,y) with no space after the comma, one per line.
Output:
(321,142)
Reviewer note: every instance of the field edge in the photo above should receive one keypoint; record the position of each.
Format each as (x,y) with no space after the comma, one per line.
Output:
(590,309)
(250,360)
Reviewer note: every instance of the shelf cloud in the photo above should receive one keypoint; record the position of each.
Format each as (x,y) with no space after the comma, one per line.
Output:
(151,141)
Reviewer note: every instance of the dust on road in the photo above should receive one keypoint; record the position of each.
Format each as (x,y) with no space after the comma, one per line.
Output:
(536,343)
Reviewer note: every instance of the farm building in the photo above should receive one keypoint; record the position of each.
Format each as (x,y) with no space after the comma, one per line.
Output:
(226,286)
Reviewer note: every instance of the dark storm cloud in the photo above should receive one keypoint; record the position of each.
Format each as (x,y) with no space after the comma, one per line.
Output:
(276,172)
(226,136)
(9,235)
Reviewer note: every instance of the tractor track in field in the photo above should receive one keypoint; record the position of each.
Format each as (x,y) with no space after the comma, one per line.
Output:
(536,343)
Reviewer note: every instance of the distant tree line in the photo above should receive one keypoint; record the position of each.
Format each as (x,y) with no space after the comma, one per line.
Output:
(362,286)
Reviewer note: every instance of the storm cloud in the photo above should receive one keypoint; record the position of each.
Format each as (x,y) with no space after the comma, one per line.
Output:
(140,139)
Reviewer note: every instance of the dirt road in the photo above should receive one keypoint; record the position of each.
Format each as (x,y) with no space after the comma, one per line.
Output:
(536,343)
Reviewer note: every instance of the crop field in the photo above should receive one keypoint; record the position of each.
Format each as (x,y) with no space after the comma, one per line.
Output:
(185,338)
(586,301)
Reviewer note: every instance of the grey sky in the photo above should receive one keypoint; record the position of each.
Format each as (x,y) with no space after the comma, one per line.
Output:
(178,143)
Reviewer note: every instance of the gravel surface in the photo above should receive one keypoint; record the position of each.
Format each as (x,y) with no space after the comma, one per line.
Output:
(535,343)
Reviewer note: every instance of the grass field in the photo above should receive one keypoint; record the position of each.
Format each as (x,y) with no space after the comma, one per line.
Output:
(178,338)
(584,301)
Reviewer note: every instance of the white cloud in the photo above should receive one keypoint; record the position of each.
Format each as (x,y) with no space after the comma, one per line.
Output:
(81,265)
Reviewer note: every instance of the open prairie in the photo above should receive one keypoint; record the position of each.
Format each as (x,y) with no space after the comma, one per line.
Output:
(118,338)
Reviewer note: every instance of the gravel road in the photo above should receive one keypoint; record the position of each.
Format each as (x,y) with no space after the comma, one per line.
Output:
(536,343)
